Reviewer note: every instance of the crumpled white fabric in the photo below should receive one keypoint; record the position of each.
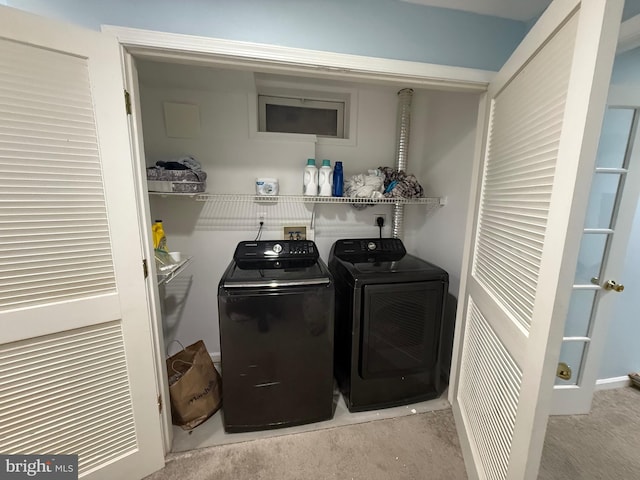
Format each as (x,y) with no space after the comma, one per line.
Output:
(364,186)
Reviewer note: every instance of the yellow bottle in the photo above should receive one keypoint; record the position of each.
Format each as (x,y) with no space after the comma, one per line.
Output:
(159,238)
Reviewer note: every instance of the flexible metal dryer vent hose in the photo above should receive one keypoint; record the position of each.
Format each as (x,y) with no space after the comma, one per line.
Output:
(402,152)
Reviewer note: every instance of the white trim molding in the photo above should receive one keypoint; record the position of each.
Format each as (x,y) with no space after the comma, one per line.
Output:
(613,382)
(629,35)
(164,46)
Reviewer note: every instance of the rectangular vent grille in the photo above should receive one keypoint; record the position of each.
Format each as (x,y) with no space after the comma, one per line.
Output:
(54,234)
(68,393)
(400,328)
(526,122)
(489,390)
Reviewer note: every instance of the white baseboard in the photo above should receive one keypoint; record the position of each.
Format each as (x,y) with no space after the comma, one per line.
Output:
(613,382)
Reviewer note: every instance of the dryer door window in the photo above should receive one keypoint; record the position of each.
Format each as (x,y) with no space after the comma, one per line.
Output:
(400,328)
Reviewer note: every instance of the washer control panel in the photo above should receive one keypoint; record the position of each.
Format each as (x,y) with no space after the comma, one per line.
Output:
(285,252)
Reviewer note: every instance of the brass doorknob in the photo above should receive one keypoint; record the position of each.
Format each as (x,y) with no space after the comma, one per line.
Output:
(563,371)
(611,285)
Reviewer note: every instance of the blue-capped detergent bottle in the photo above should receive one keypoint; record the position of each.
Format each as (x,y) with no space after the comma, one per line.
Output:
(310,178)
(325,179)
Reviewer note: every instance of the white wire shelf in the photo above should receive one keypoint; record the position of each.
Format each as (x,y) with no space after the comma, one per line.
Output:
(169,194)
(247,198)
(170,272)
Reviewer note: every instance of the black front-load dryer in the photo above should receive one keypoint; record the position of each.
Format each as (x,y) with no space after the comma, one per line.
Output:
(388,323)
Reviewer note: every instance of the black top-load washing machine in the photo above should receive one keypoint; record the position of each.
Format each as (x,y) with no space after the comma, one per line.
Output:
(276,308)
(388,323)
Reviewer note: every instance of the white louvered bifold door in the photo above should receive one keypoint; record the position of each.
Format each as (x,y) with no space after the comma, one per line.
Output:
(76,366)
(541,117)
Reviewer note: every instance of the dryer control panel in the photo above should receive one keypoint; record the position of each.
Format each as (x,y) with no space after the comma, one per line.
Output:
(369,249)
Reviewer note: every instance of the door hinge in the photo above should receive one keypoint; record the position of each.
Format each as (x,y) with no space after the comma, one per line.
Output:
(127,102)
(145,268)
(160,403)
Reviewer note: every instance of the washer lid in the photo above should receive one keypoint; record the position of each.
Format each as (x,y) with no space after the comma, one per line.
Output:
(314,274)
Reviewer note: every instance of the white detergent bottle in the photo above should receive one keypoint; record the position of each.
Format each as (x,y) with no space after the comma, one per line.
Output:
(310,179)
(325,178)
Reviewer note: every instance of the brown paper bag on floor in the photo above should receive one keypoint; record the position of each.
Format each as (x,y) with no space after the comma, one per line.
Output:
(194,386)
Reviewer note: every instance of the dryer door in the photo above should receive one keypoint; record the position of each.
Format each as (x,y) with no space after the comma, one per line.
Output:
(401,325)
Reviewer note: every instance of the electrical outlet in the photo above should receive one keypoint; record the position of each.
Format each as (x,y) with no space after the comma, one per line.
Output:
(261,216)
(375,219)
(294,233)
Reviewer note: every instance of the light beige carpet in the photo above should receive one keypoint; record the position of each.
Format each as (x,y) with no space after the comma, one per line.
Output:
(602,445)
(421,446)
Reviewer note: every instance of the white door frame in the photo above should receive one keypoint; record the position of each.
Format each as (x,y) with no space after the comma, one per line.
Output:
(576,399)
(176,48)
(130,73)
(214,52)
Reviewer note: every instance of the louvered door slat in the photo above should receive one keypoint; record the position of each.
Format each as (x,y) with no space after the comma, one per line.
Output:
(35,221)
(539,164)
(24,135)
(50,106)
(33,146)
(43,120)
(20,232)
(489,393)
(68,76)
(38,245)
(70,222)
(52,179)
(71,378)
(21,125)
(521,250)
(515,135)
(527,267)
(29,279)
(37,417)
(76,249)
(83,376)
(37,258)
(55,291)
(78,440)
(20,92)
(64,372)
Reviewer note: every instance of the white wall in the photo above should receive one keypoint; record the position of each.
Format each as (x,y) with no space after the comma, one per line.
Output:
(377,28)
(448,126)
(441,146)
